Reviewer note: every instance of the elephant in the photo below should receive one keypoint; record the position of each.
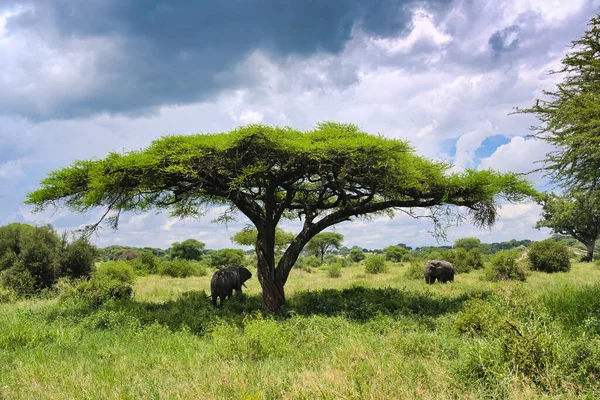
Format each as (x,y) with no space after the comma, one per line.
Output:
(225,280)
(443,271)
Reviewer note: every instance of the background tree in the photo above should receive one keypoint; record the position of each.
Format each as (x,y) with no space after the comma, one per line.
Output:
(356,254)
(322,177)
(570,116)
(249,235)
(189,249)
(227,258)
(321,242)
(467,243)
(396,253)
(576,213)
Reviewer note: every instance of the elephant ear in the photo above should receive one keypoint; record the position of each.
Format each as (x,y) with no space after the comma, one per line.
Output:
(244,274)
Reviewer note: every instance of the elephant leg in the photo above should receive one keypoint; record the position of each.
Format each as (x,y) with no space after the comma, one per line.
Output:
(214,300)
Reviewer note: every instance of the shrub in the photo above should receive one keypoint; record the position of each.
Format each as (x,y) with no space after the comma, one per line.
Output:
(416,269)
(227,258)
(549,256)
(97,290)
(116,270)
(396,254)
(178,268)
(34,258)
(375,265)
(334,270)
(477,317)
(356,255)
(146,263)
(504,266)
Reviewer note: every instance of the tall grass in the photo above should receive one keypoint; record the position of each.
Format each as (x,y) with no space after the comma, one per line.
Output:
(356,336)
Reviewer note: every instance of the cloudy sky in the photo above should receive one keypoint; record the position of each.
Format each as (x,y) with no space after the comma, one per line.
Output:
(81,78)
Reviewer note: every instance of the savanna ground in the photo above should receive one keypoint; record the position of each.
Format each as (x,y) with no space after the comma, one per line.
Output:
(357,336)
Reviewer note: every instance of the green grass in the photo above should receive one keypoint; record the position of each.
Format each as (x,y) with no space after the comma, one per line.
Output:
(355,336)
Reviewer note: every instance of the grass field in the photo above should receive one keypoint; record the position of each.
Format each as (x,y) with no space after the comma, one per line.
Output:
(357,336)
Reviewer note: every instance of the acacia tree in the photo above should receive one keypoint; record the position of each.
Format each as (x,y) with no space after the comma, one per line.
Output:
(321,242)
(324,176)
(570,116)
(249,235)
(576,214)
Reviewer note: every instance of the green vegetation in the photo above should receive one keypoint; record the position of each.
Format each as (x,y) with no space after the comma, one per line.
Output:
(375,265)
(180,268)
(356,254)
(396,254)
(322,242)
(504,266)
(549,256)
(576,214)
(227,258)
(190,249)
(570,116)
(322,177)
(35,258)
(358,335)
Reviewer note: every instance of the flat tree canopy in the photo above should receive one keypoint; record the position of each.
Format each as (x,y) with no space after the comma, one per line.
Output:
(324,176)
(321,242)
(575,213)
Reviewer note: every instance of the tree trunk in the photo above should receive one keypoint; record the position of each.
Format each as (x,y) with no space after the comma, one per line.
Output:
(272,286)
(590,251)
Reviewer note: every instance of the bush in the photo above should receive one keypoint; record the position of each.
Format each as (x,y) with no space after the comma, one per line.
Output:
(146,263)
(504,266)
(96,290)
(375,265)
(227,258)
(549,256)
(334,270)
(396,254)
(180,268)
(356,255)
(115,270)
(34,258)
(416,269)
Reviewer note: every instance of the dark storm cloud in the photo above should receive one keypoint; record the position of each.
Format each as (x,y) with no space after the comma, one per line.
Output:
(503,41)
(177,52)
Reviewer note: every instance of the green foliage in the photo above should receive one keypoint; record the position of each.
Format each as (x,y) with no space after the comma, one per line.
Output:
(549,256)
(113,280)
(322,242)
(121,271)
(180,268)
(575,213)
(190,249)
(227,258)
(504,266)
(396,254)
(570,116)
(146,263)
(249,235)
(34,258)
(356,255)
(416,269)
(375,265)
(334,270)
(467,243)
(462,260)
(307,263)
(478,317)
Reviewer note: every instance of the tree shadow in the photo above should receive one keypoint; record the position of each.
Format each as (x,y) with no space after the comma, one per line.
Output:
(194,312)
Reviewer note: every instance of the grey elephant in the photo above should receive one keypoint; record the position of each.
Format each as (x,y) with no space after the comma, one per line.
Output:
(225,280)
(443,271)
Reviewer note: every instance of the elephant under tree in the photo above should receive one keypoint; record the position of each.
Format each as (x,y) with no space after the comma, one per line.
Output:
(225,280)
(327,175)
